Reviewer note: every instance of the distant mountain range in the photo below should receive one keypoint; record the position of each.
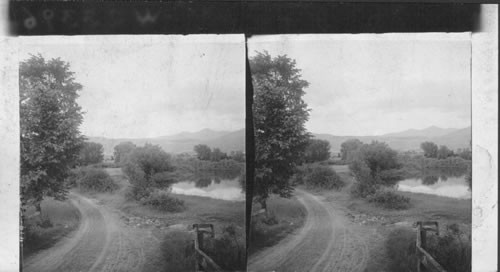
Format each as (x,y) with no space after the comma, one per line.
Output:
(227,141)
(409,139)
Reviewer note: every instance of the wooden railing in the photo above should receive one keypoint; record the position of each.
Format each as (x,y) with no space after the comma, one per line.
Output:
(202,261)
(425,261)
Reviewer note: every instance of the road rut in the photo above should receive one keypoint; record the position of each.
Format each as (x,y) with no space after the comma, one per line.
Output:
(99,244)
(326,242)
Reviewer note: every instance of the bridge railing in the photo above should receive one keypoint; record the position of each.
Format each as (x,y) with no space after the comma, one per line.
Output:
(203,262)
(425,261)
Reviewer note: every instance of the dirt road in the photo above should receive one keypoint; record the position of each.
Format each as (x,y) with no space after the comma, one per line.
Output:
(99,244)
(326,242)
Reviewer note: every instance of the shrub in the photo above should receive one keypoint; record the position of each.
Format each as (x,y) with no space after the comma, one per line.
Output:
(107,164)
(389,198)
(163,201)
(74,176)
(323,177)
(96,180)
(227,250)
(363,190)
(163,179)
(452,249)
(177,251)
(400,246)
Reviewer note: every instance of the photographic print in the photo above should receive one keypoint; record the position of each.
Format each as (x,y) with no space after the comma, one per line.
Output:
(132,153)
(363,152)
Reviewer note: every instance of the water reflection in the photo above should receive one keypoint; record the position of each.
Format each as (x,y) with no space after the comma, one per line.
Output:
(213,185)
(449,186)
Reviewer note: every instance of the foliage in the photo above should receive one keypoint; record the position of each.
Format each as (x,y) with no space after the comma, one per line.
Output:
(430,149)
(400,246)
(315,175)
(468,177)
(238,156)
(106,164)
(465,154)
(193,165)
(365,185)
(348,147)
(227,250)
(49,118)
(203,152)
(95,180)
(452,249)
(122,150)
(177,251)
(280,115)
(91,153)
(163,179)
(389,199)
(147,167)
(163,201)
(375,167)
(444,152)
(317,150)
(151,159)
(217,155)
(416,165)
(324,177)
(378,156)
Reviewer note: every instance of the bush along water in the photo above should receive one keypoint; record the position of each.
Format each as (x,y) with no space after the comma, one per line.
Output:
(376,170)
(163,201)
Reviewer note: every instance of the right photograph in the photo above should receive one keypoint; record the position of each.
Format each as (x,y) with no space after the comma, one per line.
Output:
(362,152)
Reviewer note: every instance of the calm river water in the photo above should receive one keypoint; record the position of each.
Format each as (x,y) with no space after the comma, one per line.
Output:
(212,186)
(449,186)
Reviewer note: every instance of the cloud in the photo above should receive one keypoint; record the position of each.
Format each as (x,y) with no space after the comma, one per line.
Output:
(379,83)
(146,86)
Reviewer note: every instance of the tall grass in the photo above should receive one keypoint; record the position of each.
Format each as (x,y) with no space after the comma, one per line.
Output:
(451,249)
(163,201)
(177,251)
(228,250)
(389,199)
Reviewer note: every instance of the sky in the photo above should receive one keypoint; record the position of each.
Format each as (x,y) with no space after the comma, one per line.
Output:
(150,86)
(372,84)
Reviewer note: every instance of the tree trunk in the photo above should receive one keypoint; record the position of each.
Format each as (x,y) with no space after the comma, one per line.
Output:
(263,204)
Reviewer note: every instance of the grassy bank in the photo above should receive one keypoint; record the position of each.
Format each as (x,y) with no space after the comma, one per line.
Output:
(174,252)
(58,219)
(392,230)
(284,217)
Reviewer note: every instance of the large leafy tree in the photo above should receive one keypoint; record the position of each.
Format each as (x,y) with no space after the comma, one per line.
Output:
(348,147)
(50,119)
(91,153)
(148,167)
(122,150)
(444,152)
(317,150)
(203,152)
(280,114)
(430,149)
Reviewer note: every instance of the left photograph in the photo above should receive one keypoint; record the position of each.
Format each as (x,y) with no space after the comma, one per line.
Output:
(132,153)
